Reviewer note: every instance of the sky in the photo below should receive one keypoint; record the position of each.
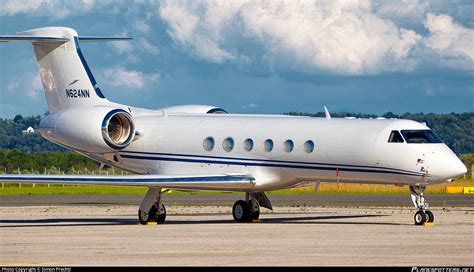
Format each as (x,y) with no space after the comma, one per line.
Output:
(256,56)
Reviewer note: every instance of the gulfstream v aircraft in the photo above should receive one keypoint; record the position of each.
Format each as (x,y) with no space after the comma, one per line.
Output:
(199,147)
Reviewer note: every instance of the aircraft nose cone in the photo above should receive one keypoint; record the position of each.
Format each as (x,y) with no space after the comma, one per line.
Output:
(459,169)
(447,164)
(454,168)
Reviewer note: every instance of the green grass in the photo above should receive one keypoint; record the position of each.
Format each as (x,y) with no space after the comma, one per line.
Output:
(27,189)
(326,188)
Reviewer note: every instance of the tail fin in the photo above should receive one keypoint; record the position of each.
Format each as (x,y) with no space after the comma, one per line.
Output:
(67,80)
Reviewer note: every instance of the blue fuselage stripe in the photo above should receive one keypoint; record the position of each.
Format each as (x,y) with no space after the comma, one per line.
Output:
(269,164)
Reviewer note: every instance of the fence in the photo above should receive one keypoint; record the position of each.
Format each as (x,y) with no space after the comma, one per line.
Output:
(58,171)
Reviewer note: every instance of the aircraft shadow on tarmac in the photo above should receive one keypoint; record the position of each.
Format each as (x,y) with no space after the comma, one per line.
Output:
(62,222)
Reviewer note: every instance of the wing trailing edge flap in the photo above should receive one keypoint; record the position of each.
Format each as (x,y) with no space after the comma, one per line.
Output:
(192,182)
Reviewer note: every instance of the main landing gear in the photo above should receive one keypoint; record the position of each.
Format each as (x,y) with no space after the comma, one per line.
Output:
(423,215)
(247,210)
(152,209)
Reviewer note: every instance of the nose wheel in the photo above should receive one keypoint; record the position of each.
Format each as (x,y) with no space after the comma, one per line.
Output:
(423,215)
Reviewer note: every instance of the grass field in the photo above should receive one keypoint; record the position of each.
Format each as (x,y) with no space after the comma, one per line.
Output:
(326,188)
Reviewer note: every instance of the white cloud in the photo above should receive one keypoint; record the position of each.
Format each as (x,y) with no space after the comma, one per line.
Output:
(121,47)
(338,36)
(409,10)
(124,48)
(142,26)
(129,79)
(148,47)
(30,85)
(13,85)
(51,8)
(249,106)
(450,40)
(188,30)
(13,7)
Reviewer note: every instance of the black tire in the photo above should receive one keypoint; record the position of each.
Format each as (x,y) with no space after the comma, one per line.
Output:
(160,218)
(142,217)
(241,212)
(255,215)
(429,217)
(150,216)
(420,218)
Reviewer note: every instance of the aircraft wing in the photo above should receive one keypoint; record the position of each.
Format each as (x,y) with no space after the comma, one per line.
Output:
(224,182)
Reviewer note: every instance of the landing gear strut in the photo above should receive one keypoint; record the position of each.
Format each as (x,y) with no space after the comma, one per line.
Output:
(249,209)
(152,209)
(423,215)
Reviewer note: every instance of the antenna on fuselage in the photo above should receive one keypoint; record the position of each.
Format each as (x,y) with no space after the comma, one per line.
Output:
(326,112)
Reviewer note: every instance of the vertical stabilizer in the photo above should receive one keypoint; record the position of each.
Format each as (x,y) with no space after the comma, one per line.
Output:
(67,80)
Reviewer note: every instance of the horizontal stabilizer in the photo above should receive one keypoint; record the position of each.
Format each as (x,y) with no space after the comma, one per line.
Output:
(231,182)
(39,39)
(23,38)
(102,39)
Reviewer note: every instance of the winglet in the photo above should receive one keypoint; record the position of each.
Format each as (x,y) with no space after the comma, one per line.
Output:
(326,112)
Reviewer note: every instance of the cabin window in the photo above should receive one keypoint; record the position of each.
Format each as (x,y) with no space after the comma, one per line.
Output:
(248,145)
(288,145)
(395,137)
(268,145)
(208,144)
(309,146)
(425,136)
(228,144)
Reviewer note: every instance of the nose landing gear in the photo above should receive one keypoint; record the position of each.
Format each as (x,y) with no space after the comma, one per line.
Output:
(423,215)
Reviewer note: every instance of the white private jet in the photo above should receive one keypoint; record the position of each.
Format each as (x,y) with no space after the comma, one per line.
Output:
(199,147)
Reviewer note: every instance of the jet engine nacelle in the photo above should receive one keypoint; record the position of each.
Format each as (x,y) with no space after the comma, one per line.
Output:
(97,129)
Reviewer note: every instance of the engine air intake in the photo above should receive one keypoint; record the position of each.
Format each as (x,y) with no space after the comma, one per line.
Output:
(118,129)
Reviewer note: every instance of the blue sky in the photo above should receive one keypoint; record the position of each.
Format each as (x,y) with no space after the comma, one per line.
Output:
(257,56)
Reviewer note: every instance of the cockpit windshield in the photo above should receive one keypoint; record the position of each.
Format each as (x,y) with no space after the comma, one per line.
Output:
(425,136)
(395,137)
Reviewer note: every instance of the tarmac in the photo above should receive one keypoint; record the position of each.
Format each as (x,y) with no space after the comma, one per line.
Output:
(109,234)
(339,200)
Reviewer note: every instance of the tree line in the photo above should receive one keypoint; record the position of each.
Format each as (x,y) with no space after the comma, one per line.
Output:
(16,162)
(13,137)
